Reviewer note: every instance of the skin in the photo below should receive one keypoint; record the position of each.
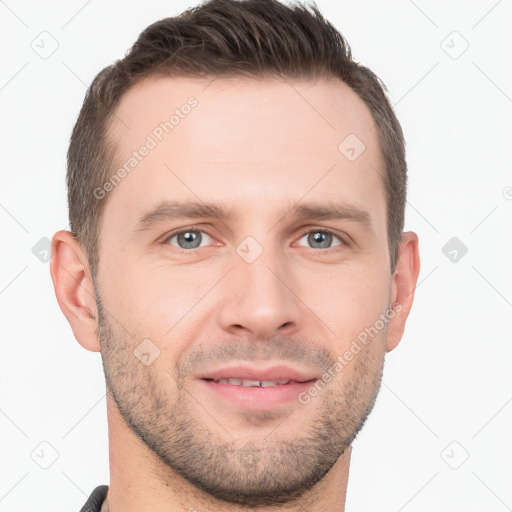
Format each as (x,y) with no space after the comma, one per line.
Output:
(259,149)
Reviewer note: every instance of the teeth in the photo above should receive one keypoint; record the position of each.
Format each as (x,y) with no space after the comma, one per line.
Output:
(269,383)
(254,383)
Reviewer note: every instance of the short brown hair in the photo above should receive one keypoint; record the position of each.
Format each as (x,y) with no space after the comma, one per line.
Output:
(222,38)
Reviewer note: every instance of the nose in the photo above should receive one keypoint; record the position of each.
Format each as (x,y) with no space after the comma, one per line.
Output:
(259,299)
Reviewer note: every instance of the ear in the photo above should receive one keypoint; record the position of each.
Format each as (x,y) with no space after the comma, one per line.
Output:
(402,287)
(74,288)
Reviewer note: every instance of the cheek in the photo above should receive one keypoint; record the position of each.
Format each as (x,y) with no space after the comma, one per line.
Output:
(348,299)
(157,301)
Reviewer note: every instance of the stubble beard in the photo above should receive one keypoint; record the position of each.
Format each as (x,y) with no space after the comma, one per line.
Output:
(255,471)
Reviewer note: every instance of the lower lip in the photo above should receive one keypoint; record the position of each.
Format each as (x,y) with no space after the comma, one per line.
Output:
(254,397)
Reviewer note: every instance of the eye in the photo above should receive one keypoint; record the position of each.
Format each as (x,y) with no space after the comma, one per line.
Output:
(321,239)
(192,238)
(188,239)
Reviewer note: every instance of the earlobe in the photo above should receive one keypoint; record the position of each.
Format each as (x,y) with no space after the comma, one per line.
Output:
(74,288)
(403,287)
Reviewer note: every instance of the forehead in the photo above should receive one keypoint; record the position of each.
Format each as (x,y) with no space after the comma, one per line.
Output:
(241,140)
(240,108)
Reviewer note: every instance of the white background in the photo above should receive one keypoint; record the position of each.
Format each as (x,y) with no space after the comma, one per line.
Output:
(449,379)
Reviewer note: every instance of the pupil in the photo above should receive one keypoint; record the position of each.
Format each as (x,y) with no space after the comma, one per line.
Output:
(322,238)
(191,240)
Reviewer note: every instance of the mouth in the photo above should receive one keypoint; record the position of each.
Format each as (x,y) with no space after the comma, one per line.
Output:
(256,389)
(253,376)
(250,383)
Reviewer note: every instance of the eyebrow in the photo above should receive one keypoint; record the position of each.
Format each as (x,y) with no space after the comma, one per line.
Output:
(176,210)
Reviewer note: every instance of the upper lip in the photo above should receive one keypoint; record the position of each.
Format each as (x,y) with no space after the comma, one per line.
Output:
(273,373)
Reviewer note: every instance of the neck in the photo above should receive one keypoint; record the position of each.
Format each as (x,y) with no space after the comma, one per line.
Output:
(140,481)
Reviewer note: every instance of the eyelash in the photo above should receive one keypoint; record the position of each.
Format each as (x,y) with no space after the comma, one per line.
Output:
(304,232)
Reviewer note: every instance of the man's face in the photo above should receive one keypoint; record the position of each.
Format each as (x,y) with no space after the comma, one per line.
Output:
(270,291)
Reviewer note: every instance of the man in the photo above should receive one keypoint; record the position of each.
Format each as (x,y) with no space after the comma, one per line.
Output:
(236,196)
